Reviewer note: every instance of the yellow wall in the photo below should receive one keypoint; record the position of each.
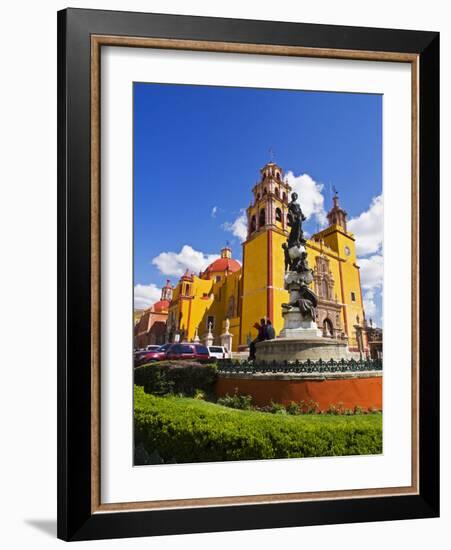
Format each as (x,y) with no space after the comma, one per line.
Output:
(255,262)
(338,240)
(280,295)
(252,281)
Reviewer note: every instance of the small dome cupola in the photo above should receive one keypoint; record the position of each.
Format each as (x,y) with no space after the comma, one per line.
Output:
(337,216)
(166,291)
(271,171)
(226,252)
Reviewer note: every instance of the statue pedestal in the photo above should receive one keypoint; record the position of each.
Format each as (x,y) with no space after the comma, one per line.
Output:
(300,340)
(301,349)
(295,327)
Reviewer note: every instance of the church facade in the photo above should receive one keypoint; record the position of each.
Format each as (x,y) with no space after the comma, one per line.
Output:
(246,293)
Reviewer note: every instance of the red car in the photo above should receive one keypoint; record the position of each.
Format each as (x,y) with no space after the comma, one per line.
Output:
(144,357)
(188,351)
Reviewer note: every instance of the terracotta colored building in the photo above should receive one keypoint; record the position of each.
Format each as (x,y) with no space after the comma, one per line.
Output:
(151,326)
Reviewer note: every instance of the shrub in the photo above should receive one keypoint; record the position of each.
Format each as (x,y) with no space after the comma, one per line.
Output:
(179,377)
(190,430)
(312,407)
(277,408)
(236,401)
(293,408)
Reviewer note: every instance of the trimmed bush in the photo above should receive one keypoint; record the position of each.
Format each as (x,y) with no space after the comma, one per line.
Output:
(189,430)
(179,377)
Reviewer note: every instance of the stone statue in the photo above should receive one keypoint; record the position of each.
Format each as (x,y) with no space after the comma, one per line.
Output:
(307,303)
(300,311)
(295,219)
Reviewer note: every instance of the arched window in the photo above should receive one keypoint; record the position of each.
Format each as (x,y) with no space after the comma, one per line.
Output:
(262,217)
(276,191)
(328,328)
(284,197)
(265,191)
(253,224)
(278,215)
(258,196)
(278,176)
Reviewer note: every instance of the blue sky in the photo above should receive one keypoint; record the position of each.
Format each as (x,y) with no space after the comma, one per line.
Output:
(197,154)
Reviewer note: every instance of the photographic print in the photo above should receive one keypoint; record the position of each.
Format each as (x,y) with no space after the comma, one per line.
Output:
(258,228)
(244,224)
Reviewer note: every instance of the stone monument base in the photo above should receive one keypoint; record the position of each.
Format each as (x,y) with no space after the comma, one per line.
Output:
(301,349)
(295,327)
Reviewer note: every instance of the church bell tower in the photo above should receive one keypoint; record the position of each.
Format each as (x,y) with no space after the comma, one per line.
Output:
(262,285)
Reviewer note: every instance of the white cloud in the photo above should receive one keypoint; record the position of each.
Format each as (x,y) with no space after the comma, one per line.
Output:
(214,211)
(372,271)
(176,263)
(368,228)
(238,227)
(371,275)
(310,196)
(369,304)
(146,295)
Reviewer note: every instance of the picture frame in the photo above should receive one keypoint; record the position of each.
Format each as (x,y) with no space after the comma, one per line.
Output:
(81,36)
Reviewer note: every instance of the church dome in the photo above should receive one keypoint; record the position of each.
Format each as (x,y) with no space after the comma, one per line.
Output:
(160,306)
(224,263)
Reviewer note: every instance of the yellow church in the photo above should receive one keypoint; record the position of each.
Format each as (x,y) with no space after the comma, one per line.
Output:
(244,294)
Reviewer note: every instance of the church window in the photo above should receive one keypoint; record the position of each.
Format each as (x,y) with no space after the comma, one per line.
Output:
(278,215)
(353,296)
(258,196)
(187,289)
(284,197)
(277,191)
(262,217)
(218,278)
(265,191)
(253,224)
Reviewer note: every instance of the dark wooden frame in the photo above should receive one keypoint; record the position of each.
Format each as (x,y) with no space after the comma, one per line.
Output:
(81,33)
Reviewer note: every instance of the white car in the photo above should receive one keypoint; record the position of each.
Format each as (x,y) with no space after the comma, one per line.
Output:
(218,352)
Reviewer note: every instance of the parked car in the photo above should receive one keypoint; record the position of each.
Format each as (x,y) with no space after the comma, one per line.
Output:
(218,352)
(187,351)
(148,356)
(152,347)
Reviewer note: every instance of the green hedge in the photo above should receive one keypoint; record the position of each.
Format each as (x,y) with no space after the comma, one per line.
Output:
(185,377)
(189,430)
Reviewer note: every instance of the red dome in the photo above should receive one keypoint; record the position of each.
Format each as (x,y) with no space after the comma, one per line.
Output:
(160,306)
(224,264)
